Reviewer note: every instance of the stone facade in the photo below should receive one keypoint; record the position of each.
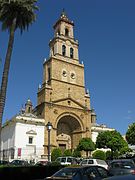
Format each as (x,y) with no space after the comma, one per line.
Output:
(62,98)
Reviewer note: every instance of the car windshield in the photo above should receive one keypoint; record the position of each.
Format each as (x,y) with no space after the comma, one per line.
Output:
(99,161)
(66,172)
(124,164)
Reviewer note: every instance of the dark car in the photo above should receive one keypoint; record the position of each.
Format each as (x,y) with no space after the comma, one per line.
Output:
(3,162)
(122,177)
(64,173)
(18,162)
(93,172)
(122,166)
(41,163)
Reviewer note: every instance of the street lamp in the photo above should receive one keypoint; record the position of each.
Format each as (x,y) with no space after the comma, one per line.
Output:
(49,127)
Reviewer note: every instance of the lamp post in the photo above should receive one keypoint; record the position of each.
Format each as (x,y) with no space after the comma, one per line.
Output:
(49,127)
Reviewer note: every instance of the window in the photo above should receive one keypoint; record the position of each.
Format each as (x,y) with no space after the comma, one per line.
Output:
(30,140)
(63,50)
(29,110)
(49,73)
(66,32)
(90,162)
(63,159)
(103,172)
(12,153)
(91,173)
(53,51)
(71,52)
(58,32)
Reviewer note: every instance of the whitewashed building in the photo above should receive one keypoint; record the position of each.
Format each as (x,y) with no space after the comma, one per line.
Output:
(97,128)
(22,137)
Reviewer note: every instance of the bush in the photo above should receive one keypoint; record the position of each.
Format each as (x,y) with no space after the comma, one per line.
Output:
(98,154)
(76,153)
(67,152)
(56,153)
(28,172)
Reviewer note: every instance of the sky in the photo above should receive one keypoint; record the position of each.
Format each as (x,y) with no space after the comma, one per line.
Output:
(105,30)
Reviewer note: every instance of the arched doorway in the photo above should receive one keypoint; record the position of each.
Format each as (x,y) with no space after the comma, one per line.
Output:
(68,132)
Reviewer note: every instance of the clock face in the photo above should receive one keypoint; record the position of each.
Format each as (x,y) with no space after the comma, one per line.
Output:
(64,73)
(73,75)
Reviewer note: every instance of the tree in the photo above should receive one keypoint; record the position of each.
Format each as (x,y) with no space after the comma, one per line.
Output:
(130,134)
(67,152)
(76,153)
(98,154)
(112,140)
(56,153)
(125,151)
(108,155)
(14,14)
(102,139)
(87,145)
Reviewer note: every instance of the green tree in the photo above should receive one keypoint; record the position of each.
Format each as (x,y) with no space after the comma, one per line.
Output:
(130,134)
(108,155)
(56,152)
(102,139)
(87,145)
(76,153)
(112,140)
(98,154)
(67,152)
(14,14)
(125,151)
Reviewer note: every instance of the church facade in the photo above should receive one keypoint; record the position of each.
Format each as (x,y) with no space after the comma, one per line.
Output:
(63,99)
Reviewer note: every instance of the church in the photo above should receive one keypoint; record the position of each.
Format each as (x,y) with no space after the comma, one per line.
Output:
(62,100)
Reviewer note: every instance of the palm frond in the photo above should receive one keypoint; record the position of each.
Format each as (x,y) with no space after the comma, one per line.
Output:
(21,10)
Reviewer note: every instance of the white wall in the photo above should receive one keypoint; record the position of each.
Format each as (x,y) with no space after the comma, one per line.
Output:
(7,136)
(29,151)
(16,135)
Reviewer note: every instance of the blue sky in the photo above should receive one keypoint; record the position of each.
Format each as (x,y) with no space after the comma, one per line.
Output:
(105,30)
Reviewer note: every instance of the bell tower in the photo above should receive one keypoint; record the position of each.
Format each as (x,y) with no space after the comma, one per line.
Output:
(62,98)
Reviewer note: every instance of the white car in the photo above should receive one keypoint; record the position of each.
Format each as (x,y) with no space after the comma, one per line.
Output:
(66,160)
(89,162)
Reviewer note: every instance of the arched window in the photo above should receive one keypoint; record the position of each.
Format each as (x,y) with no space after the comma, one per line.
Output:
(63,50)
(71,52)
(66,32)
(49,73)
(58,32)
(29,110)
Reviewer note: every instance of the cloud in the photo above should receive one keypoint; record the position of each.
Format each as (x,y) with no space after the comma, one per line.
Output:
(128,117)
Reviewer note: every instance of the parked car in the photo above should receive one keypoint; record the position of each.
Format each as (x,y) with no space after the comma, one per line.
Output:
(66,160)
(64,173)
(80,173)
(122,177)
(122,166)
(19,162)
(93,172)
(3,162)
(89,162)
(41,163)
